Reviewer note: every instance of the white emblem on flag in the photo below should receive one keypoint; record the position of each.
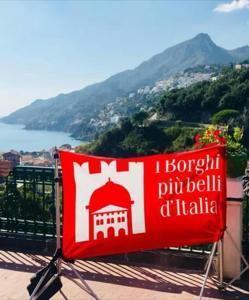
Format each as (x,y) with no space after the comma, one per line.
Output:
(109,203)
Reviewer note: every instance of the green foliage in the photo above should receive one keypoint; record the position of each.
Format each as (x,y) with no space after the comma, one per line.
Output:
(133,140)
(31,203)
(192,103)
(227,136)
(225,99)
(236,153)
(143,141)
(233,145)
(181,138)
(84,148)
(201,101)
(225,116)
(139,118)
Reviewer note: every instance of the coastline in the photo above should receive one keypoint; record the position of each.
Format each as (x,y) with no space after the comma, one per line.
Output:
(15,136)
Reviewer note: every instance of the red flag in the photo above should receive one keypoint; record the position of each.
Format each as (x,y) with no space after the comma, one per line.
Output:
(121,205)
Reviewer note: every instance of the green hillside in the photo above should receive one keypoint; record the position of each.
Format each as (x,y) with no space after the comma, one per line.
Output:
(200,101)
(225,100)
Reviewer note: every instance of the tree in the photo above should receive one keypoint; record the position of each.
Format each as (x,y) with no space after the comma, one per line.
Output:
(225,116)
(139,118)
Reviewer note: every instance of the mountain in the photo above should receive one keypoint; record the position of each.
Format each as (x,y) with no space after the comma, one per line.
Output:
(72,112)
(240,53)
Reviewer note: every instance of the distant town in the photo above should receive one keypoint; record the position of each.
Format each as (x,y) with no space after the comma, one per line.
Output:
(143,99)
(43,158)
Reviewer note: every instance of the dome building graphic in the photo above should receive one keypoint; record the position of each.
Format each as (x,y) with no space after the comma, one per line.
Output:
(110,211)
(109,201)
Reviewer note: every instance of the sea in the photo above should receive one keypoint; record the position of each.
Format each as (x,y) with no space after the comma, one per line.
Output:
(15,137)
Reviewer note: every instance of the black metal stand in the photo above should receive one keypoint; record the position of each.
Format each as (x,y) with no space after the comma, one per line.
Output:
(221,284)
(49,276)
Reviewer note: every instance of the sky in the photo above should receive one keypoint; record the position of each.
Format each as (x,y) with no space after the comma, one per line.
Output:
(53,47)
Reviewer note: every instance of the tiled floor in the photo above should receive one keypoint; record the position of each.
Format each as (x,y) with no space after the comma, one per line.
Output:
(112,281)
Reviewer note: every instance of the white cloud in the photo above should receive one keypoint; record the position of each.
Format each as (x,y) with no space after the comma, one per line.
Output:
(231,6)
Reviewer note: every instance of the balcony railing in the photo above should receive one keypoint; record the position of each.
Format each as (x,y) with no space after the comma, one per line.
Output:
(27,202)
(27,207)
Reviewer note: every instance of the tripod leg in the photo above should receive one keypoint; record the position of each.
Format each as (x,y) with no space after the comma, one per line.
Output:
(83,281)
(237,248)
(45,286)
(242,257)
(220,247)
(76,282)
(207,262)
(208,269)
(38,285)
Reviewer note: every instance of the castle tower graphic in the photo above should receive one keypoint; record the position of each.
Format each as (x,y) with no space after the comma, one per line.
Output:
(109,203)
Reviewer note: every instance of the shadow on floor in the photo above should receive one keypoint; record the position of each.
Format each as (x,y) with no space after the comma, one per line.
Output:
(175,281)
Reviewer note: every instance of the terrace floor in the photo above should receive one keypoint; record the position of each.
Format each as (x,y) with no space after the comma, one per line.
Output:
(113,281)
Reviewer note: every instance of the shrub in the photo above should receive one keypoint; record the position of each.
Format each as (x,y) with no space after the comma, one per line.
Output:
(225,116)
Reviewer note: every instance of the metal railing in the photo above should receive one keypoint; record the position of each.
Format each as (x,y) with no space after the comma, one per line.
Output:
(27,202)
(27,207)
